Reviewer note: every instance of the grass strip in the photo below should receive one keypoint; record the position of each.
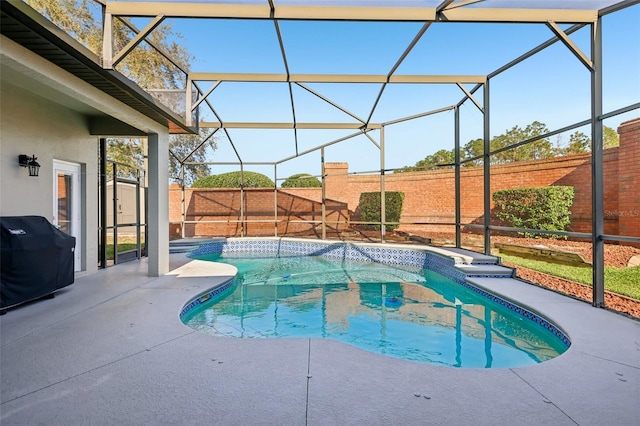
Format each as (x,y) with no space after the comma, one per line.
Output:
(625,281)
(121,247)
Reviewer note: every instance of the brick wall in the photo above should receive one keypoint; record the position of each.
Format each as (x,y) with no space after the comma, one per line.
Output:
(628,209)
(223,206)
(430,195)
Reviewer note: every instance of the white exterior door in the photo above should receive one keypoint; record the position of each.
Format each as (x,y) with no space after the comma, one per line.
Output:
(67,215)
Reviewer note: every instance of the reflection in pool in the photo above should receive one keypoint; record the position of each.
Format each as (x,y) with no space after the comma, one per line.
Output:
(406,313)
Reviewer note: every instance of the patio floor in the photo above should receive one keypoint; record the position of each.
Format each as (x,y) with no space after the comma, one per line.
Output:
(110,349)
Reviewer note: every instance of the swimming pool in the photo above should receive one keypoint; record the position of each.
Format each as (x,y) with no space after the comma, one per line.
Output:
(399,310)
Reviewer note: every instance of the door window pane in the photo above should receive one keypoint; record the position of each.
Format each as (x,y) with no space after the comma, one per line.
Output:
(64,202)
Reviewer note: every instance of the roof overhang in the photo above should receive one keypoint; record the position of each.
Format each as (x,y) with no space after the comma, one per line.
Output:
(22,24)
(354,13)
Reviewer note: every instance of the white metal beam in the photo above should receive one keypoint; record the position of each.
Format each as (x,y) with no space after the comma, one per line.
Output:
(395,67)
(462,3)
(490,14)
(330,102)
(189,10)
(273,125)
(564,38)
(470,96)
(263,11)
(151,43)
(337,78)
(354,13)
(437,79)
(422,114)
(241,77)
(107,41)
(139,38)
(443,5)
(204,95)
(308,151)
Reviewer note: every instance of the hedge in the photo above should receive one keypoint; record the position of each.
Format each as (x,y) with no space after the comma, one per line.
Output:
(302,180)
(232,180)
(546,208)
(369,207)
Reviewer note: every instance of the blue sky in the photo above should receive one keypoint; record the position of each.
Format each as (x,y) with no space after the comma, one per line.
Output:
(552,87)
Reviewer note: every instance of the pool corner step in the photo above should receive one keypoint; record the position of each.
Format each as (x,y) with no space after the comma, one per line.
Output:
(182,248)
(187,245)
(485,271)
(471,257)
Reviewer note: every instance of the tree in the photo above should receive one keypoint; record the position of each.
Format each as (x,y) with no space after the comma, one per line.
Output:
(301,180)
(433,161)
(474,148)
(75,17)
(234,180)
(610,137)
(190,149)
(145,66)
(535,150)
(538,149)
(437,159)
(580,142)
(128,154)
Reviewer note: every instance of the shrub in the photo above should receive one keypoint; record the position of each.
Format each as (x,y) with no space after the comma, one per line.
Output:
(232,180)
(302,180)
(369,207)
(545,208)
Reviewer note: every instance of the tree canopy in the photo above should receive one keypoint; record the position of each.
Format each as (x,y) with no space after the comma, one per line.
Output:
(610,137)
(234,180)
(190,149)
(579,142)
(537,149)
(433,161)
(302,180)
(75,17)
(145,66)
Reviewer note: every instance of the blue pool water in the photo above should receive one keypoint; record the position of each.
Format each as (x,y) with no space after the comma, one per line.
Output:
(406,313)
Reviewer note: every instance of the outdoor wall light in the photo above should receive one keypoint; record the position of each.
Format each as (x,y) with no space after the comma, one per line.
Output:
(30,162)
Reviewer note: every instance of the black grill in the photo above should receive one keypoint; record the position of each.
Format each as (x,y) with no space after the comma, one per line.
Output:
(36,259)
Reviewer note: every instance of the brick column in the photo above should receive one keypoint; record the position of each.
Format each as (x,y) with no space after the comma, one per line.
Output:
(629,178)
(337,180)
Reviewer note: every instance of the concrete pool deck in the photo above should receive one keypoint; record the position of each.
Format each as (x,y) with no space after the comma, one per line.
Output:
(110,349)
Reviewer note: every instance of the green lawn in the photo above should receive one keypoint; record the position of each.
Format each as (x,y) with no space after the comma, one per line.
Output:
(625,281)
(121,247)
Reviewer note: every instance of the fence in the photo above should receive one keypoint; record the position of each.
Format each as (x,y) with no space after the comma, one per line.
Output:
(429,197)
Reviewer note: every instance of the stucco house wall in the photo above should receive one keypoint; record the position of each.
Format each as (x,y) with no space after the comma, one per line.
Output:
(46,111)
(33,125)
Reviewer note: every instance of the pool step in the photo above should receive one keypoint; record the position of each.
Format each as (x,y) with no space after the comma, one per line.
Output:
(485,271)
(473,257)
(182,248)
(187,245)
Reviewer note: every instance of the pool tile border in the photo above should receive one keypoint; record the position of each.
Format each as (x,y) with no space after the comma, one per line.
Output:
(206,296)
